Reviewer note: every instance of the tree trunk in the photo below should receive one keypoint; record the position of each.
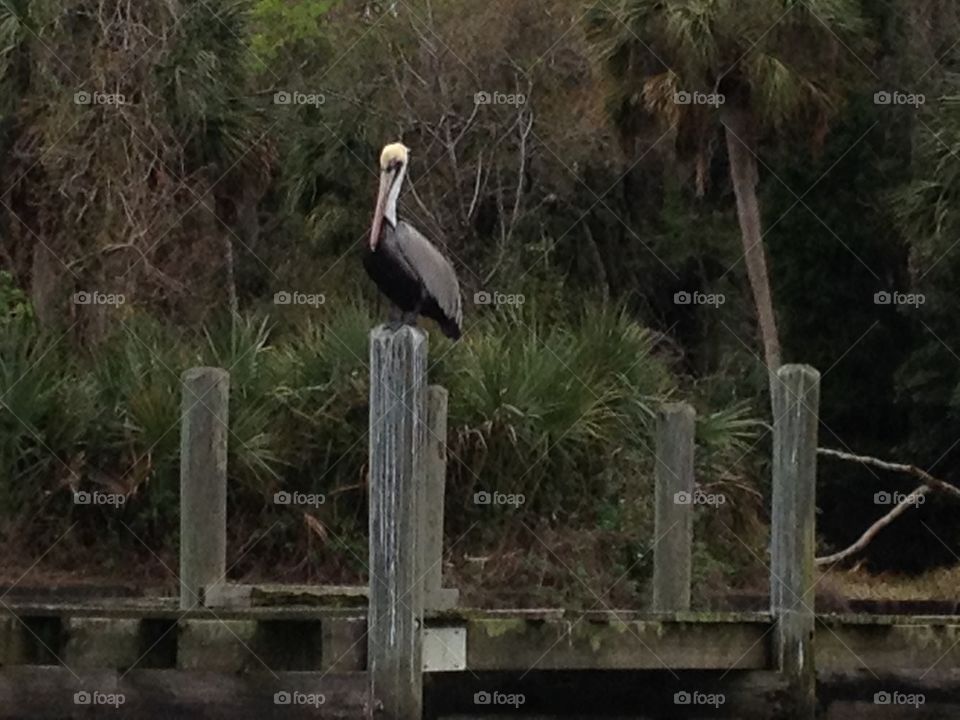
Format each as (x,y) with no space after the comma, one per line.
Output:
(231,279)
(743,173)
(597,258)
(45,286)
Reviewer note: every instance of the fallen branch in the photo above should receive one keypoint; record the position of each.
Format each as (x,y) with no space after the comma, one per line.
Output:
(911,500)
(927,478)
(873,530)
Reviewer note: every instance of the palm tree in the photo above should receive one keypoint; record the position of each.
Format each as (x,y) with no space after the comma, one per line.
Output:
(755,67)
(927,211)
(205,86)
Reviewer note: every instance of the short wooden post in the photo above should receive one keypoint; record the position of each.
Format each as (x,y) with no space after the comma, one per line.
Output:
(432,491)
(792,535)
(203,481)
(398,429)
(673,519)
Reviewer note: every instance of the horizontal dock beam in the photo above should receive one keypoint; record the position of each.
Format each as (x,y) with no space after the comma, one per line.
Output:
(504,644)
(319,639)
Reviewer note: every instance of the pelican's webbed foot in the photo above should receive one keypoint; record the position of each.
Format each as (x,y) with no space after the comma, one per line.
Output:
(410,318)
(399,318)
(395,318)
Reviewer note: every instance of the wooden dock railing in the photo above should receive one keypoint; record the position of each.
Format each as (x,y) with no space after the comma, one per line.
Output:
(792,532)
(407,473)
(203,482)
(398,460)
(673,498)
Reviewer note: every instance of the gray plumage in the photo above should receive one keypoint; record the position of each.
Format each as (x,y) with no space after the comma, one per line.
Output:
(429,266)
(406,267)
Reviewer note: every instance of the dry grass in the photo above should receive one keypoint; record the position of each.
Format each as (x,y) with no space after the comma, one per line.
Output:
(856,584)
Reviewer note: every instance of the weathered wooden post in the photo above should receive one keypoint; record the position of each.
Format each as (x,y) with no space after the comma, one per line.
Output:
(432,490)
(674,502)
(792,535)
(203,481)
(398,430)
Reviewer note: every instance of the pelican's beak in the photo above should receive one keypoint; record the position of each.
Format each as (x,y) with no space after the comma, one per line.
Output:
(386,182)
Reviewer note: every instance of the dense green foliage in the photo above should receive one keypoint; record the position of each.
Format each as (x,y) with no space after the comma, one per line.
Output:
(560,415)
(198,159)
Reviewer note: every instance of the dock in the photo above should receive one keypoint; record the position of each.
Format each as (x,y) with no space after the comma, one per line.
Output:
(405,648)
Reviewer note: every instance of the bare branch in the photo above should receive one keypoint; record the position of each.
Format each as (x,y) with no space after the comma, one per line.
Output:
(521,172)
(476,187)
(911,500)
(468,124)
(872,531)
(927,478)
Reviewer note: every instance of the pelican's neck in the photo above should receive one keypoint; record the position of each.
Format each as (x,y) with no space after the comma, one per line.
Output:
(390,213)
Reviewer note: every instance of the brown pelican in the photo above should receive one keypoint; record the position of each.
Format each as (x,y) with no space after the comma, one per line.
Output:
(406,267)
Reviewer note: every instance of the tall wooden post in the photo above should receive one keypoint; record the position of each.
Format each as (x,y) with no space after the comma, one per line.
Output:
(432,491)
(792,535)
(673,521)
(203,481)
(398,416)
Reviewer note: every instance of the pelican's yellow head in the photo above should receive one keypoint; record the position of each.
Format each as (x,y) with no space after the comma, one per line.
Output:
(392,153)
(393,167)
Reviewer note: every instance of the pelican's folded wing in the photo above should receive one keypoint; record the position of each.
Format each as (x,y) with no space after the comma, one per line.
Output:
(435,271)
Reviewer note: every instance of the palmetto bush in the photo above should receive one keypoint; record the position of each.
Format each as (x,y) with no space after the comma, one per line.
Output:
(551,411)
(42,408)
(560,412)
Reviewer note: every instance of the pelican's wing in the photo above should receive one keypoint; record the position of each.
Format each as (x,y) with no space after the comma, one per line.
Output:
(435,271)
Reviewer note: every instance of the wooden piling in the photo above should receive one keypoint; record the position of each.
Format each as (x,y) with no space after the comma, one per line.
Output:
(796,406)
(398,424)
(432,492)
(203,481)
(674,506)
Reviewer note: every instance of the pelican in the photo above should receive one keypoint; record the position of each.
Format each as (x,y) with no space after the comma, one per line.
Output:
(406,267)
